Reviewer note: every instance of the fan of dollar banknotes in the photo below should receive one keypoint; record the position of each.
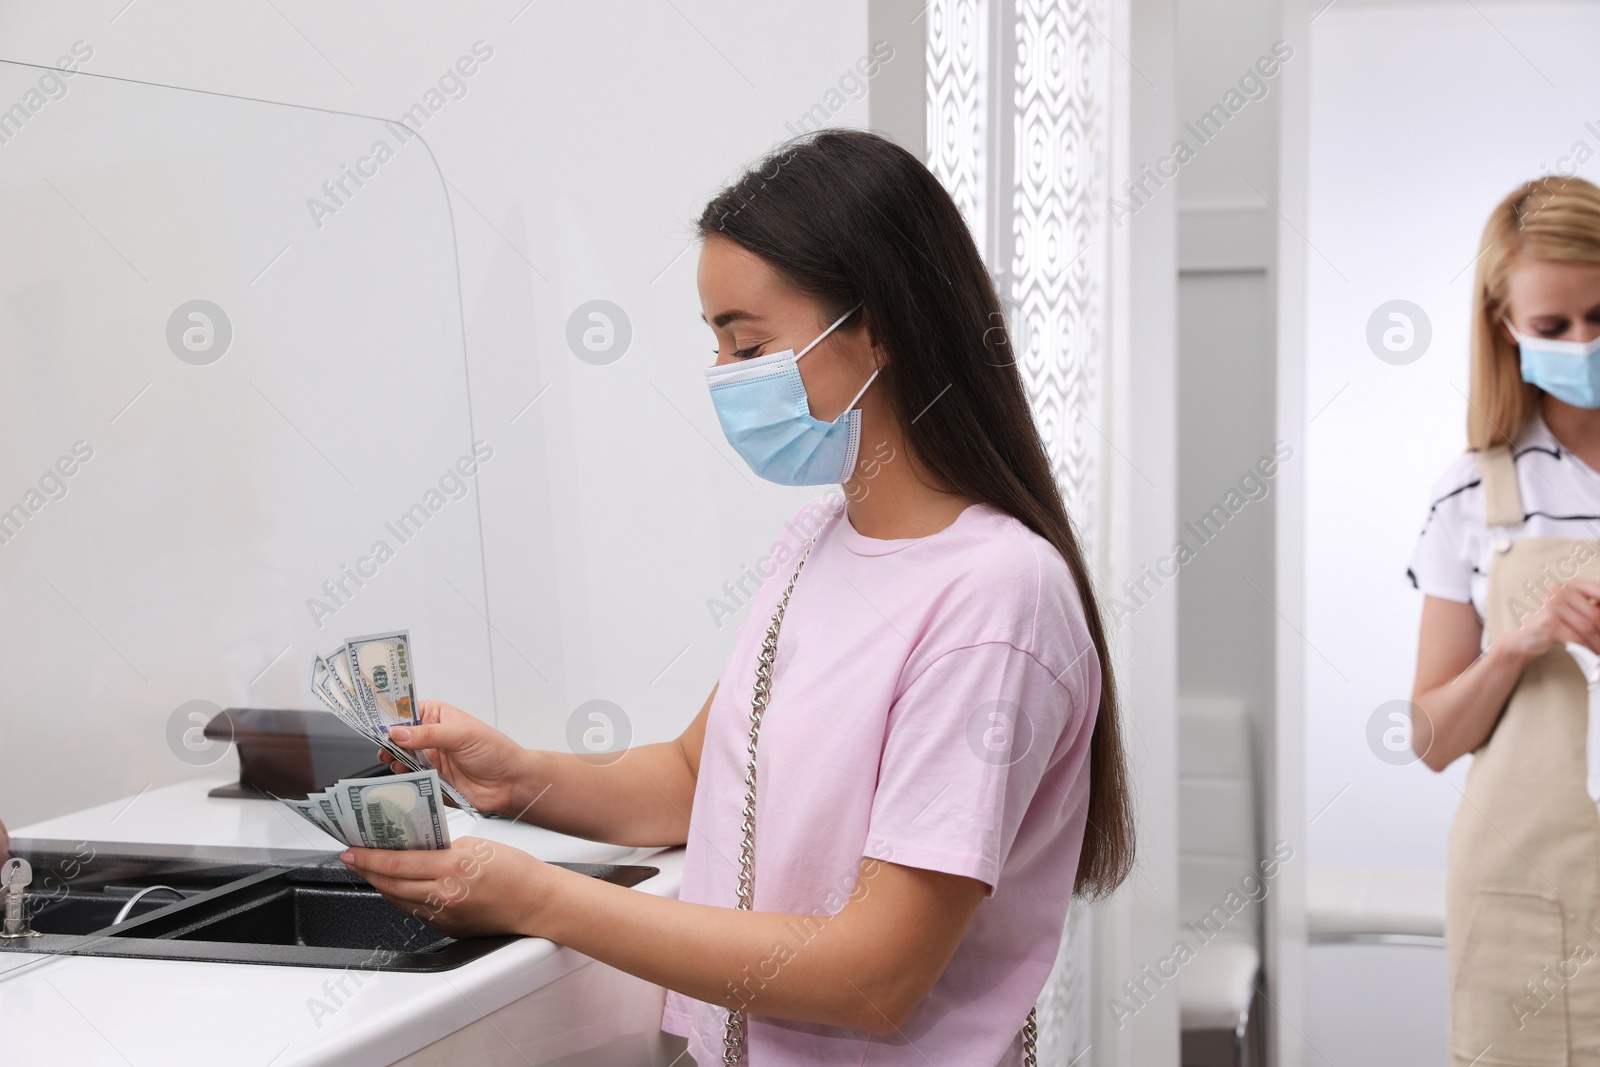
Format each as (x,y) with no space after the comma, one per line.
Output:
(369,683)
(392,811)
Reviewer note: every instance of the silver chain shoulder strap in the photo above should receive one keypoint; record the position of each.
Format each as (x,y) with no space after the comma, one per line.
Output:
(733,1037)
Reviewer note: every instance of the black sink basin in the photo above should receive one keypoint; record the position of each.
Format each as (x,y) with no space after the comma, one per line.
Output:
(317,916)
(239,906)
(79,888)
(85,913)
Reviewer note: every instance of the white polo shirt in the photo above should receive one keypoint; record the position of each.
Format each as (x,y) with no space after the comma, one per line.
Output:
(1560,498)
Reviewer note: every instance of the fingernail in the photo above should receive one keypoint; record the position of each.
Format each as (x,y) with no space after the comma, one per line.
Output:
(400,733)
(347,856)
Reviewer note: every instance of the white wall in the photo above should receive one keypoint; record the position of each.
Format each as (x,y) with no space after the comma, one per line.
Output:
(1134,930)
(1226,377)
(221,491)
(1230,601)
(577,161)
(1422,118)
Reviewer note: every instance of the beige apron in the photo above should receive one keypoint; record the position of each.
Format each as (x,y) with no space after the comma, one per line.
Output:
(1522,928)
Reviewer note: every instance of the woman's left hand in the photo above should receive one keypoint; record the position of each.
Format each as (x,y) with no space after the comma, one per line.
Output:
(475,887)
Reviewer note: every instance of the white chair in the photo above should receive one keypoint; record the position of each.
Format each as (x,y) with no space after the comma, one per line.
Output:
(1376,988)
(1219,854)
(1394,907)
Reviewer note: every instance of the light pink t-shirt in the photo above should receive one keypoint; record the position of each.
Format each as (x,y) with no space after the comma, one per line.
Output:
(932,704)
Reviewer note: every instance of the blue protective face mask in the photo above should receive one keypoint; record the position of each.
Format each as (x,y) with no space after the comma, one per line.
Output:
(1567,370)
(767,418)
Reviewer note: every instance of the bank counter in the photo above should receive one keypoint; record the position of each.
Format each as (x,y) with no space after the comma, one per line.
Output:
(526,1002)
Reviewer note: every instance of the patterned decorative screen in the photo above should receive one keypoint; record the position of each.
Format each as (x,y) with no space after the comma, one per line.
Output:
(957,101)
(1017,107)
(1059,181)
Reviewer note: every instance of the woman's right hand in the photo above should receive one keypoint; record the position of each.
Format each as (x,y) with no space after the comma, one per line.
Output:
(1570,615)
(485,764)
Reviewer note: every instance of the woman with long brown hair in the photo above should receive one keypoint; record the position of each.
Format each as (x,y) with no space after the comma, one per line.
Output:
(912,759)
(1509,560)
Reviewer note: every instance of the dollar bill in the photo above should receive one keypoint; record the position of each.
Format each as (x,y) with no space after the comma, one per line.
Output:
(332,679)
(339,669)
(399,811)
(330,814)
(332,699)
(322,684)
(356,695)
(309,810)
(381,669)
(369,683)
(332,694)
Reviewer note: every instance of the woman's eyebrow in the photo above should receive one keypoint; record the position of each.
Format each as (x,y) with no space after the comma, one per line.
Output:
(732,316)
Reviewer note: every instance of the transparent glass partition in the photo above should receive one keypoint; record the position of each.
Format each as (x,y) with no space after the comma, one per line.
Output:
(234,423)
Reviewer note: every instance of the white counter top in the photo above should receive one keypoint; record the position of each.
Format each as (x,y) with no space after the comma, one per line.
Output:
(94,1010)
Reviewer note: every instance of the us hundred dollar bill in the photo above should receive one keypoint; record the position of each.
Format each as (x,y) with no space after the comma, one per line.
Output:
(369,683)
(381,664)
(399,811)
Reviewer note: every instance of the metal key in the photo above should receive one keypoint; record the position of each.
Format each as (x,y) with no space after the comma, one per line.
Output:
(15,876)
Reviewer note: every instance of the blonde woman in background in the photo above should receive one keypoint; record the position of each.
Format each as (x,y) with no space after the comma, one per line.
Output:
(1509,563)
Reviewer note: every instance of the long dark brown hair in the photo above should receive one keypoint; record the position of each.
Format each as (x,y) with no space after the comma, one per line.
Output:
(849,217)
